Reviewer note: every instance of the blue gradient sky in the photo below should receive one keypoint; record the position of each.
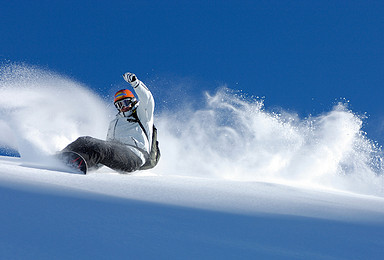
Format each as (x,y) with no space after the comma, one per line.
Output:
(302,56)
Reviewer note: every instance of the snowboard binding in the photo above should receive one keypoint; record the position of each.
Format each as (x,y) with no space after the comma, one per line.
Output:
(74,161)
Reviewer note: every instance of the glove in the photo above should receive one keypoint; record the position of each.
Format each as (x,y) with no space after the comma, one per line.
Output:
(131,79)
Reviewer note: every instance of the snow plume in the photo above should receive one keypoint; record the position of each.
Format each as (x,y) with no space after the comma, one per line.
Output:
(41,112)
(230,137)
(236,138)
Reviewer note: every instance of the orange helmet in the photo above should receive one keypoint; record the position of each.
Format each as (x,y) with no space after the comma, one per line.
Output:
(123,94)
(125,101)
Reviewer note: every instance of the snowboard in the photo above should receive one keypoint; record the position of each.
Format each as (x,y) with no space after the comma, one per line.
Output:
(74,161)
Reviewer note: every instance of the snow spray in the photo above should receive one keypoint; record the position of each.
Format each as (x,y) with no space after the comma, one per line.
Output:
(41,111)
(229,137)
(234,137)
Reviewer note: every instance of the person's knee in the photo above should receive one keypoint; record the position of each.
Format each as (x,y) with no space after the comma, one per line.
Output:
(84,140)
(78,143)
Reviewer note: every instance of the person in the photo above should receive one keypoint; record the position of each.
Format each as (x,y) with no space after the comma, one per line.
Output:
(128,143)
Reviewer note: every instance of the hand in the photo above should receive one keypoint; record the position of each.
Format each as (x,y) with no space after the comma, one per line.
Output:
(131,79)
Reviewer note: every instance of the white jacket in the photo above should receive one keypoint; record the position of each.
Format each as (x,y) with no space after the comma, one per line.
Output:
(123,130)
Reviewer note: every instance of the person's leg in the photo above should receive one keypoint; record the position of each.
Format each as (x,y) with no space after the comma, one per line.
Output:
(111,154)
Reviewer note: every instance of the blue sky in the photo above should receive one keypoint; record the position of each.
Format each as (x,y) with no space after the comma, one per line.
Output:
(302,56)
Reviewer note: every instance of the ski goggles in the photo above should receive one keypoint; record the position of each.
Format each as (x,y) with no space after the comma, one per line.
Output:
(125,103)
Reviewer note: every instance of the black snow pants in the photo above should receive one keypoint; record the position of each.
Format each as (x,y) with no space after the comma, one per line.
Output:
(114,155)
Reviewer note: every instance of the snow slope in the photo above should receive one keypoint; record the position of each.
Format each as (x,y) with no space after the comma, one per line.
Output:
(234,182)
(103,215)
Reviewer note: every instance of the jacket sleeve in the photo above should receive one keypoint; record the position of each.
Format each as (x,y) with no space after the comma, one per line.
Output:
(111,130)
(147,104)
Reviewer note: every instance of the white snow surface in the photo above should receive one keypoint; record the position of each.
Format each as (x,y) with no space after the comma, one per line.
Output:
(234,182)
(104,215)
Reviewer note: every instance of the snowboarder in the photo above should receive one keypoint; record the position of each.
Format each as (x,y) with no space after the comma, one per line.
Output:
(129,139)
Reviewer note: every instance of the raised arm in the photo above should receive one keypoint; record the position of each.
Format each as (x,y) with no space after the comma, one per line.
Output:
(147,104)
